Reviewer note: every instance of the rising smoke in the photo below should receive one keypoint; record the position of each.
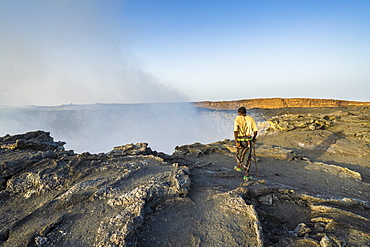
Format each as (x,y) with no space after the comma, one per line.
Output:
(62,52)
(99,127)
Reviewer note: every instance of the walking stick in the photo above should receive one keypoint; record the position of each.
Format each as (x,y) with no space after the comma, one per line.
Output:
(255,161)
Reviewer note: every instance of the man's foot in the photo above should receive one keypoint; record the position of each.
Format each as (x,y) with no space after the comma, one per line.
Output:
(239,169)
(247,177)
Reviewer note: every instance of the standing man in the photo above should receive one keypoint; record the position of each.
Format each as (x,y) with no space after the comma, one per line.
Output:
(245,132)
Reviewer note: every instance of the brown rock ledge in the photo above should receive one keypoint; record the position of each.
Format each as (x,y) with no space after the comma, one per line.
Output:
(272,103)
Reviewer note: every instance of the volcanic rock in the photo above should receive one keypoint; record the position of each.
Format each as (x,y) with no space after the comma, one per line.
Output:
(310,188)
(301,230)
(272,103)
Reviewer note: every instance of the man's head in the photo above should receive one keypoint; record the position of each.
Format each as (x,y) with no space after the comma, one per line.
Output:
(242,111)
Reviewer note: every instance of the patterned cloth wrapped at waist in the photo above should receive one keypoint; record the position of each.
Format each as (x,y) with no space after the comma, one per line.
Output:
(244,138)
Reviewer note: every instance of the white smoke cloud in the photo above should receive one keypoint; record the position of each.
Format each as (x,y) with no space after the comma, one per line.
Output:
(99,127)
(59,52)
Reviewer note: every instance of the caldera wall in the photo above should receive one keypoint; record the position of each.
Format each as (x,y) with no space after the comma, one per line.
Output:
(271,103)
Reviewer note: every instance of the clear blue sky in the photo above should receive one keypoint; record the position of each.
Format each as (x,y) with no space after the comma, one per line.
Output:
(90,51)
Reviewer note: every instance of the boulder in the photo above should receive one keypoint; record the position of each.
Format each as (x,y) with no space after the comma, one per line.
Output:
(290,122)
(36,140)
(301,230)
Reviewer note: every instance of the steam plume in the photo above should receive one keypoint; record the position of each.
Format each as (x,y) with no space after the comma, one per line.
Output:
(99,127)
(60,52)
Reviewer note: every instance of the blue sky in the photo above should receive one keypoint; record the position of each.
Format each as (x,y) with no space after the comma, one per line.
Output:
(91,51)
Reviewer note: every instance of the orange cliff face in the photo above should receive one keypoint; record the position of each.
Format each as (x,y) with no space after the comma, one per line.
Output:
(272,103)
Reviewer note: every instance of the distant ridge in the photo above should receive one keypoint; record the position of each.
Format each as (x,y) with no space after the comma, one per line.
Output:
(272,103)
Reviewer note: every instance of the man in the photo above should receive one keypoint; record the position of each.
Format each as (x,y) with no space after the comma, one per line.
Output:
(245,132)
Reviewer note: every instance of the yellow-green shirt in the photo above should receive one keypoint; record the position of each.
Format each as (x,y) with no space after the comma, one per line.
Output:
(245,125)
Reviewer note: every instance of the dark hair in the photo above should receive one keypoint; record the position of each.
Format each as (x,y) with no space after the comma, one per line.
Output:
(242,110)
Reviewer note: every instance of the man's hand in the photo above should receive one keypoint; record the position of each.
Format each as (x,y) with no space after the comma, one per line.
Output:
(254,139)
(237,144)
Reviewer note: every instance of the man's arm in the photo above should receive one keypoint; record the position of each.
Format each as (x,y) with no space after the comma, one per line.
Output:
(254,136)
(237,144)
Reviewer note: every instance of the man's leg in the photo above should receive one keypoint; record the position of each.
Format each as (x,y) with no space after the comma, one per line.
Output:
(248,162)
(239,159)
(240,155)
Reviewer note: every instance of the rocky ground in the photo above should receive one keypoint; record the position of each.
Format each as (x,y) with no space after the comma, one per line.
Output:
(311,187)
